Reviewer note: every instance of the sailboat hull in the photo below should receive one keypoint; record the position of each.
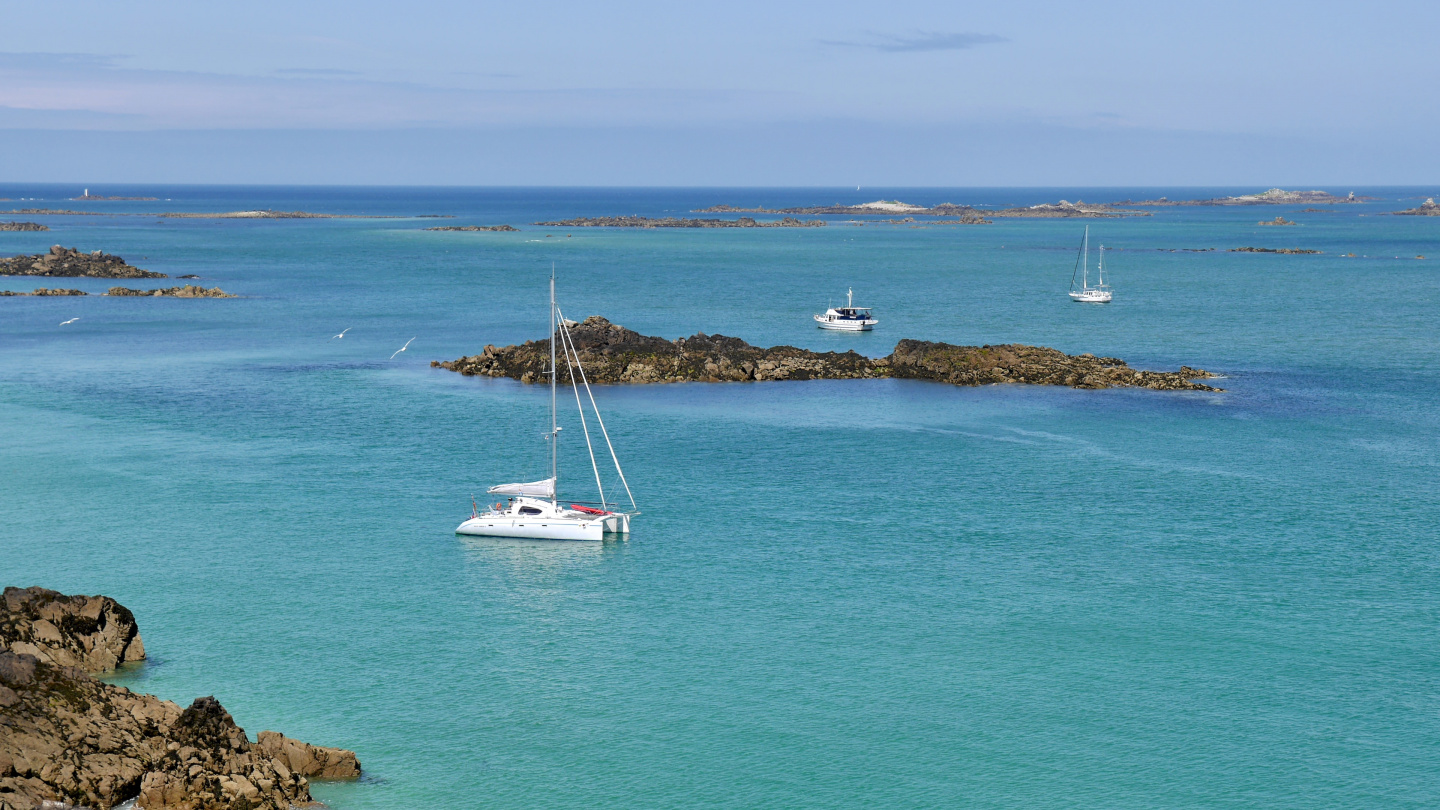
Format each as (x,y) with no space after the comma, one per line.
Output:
(544,528)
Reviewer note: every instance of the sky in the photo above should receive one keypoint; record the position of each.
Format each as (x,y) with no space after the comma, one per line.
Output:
(735,93)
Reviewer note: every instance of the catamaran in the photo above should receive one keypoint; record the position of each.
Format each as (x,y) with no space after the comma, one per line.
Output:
(848,318)
(1099,294)
(532,509)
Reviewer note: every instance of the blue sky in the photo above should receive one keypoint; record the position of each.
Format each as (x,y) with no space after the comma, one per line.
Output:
(736,93)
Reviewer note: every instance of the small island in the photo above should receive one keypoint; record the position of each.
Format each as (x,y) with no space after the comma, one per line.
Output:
(1286,251)
(674,222)
(23,226)
(188,291)
(968,215)
(1276,221)
(1425,209)
(41,291)
(1275,196)
(71,263)
(502,228)
(68,739)
(88,196)
(610,353)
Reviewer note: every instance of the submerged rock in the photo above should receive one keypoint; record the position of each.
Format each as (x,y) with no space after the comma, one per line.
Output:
(69,262)
(70,739)
(610,353)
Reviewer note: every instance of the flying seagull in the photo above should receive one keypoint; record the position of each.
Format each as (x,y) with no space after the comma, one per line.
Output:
(342,334)
(403,348)
(67,323)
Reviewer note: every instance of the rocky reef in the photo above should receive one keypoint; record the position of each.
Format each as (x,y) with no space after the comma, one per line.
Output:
(1275,196)
(42,291)
(968,214)
(1276,221)
(676,222)
(23,226)
(71,263)
(474,228)
(1287,251)
(611,353)
(1425,209)
(108,199)
(188,291)
(70,740)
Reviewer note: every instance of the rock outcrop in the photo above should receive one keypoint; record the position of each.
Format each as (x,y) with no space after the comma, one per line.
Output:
(188,291)
(1276,221)
(610,353)
(22,226)
(68,738)
(676,222)
(1425,209)
(1287,251)
(1275,196)
(43,291)
(504,228)
(71,263)
(967,214)
(94,633)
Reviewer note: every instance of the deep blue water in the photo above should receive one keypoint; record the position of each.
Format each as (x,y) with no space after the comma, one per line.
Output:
(840,594)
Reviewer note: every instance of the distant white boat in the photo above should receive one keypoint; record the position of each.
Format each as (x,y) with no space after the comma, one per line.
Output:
(1101,292)
(848,318)
(532,509)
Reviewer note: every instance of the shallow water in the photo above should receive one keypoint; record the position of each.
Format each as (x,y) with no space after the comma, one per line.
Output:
(840,593)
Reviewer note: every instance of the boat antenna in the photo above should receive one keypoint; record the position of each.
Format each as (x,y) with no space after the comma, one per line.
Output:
(554,431)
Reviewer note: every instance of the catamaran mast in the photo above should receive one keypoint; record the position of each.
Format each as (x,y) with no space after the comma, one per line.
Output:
(554,432)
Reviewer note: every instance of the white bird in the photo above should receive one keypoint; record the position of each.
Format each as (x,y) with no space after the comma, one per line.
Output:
(342,334)
(403,348)
(67,323)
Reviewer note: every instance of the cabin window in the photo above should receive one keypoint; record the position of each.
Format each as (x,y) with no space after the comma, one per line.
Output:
(529,510)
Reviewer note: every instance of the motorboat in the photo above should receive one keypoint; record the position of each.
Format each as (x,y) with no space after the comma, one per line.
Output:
(1099,294)
(848,318)
(532,509)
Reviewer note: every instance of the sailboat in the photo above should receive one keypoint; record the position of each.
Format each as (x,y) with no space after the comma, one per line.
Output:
(532,510)
(1099,294)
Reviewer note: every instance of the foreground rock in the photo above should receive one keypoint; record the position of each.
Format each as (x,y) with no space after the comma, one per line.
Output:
(1275,196)
(675,222)
(71,263)
(22,226)
(66,737)
(94,633)
(611,353)
(966,214)
(503,228)
(188,291)
(1286,251)
(1425,209)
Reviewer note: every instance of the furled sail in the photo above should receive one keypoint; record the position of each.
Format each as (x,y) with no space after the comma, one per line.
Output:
(534,489)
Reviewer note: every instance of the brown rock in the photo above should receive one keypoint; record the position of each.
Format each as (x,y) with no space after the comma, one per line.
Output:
(306,759)
(95,633)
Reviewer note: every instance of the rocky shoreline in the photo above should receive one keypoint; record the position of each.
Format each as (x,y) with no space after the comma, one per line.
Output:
(1286,251)
(502,228)
(1275,196)
(967,214)
(70,740)
(23,226)
(611,353)
(188,291)
(63,262)
(676,222)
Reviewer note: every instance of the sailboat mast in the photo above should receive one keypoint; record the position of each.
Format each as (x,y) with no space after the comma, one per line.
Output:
(1084,263)
(554,370)
(1102,265)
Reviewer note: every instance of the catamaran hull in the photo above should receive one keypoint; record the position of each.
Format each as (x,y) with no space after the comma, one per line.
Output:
(545,528)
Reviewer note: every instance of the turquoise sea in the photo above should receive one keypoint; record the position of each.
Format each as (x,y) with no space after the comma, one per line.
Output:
(839,594)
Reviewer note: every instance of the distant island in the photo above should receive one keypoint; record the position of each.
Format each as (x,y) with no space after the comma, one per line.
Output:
(674,222)
(1274,196)
(1425,209)
(23,226)
(1276,221)
(188,291)
(69,262)
(268,214)
(88,196)
(1288,251)
(966,213)
(610,353)
(474,228)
